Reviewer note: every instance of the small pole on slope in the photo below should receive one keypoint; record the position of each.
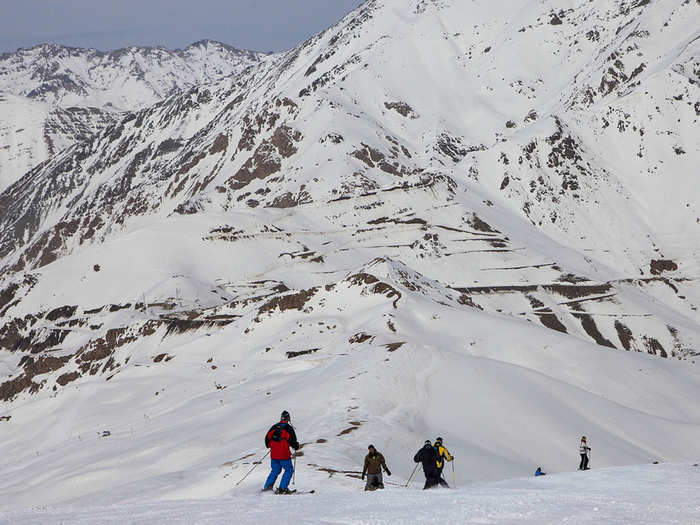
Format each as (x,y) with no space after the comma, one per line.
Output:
(412,474)
(386,482)
(255,464)
(294,469)
(454,483)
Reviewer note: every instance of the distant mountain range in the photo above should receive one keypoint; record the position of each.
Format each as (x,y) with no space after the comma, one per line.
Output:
(70,93)
(124,79)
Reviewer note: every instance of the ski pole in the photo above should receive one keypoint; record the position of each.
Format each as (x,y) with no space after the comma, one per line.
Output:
(394,483)
(454,483)
(255,464)
(411,477)
(294,470)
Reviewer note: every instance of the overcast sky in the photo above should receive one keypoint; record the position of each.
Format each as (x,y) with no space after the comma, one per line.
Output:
(260,25)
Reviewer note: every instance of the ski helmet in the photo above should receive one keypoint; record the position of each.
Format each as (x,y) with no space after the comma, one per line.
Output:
(583,438)
(438,440)
(427,442)
(285,416)
(371,447)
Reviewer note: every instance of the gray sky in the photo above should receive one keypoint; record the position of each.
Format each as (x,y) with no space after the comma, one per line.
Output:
(260,25)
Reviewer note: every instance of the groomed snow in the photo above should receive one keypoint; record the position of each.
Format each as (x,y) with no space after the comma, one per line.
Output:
(645,494)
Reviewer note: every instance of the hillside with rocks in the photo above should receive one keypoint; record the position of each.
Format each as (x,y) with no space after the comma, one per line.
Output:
(468,218)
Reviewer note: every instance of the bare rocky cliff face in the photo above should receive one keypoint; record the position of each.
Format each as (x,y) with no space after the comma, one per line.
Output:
(524,161)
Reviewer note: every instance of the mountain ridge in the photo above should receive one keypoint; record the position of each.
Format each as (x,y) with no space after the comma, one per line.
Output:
(35,71)
(55,80)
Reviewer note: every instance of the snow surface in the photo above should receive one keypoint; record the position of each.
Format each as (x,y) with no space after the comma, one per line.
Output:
(22,145)
(505,395)
(643,495)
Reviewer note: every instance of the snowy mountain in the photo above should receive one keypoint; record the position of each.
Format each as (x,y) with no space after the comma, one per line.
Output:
(52,96)
(470,219)
(125,79)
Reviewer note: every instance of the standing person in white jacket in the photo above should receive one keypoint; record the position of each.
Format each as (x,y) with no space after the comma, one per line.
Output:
(583,449)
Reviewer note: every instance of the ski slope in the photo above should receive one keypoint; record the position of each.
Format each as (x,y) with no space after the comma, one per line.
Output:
(643,495)
(506,395)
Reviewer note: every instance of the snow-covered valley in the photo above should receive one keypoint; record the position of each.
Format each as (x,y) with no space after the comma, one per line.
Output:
(464,219)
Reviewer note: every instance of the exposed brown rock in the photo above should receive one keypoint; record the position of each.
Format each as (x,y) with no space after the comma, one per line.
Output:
(291,355)
(7,295)
(392,347)
(12,388)
(289,200)
(360,337)
(220,144)
(361,278)
(592,330)
(64,379)
(402,109)
(479,225)
(659,266)
(368,155)
(44,365)
(117,307)
(284,138)
(295,301)
(345,432)
(654,347)
(551,321)
(191,163)
(624,334)
(24,382)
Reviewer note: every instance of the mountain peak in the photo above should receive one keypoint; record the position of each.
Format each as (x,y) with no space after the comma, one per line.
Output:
(127,78)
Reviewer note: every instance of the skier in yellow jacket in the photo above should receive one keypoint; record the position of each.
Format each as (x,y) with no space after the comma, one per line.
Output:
(443,456)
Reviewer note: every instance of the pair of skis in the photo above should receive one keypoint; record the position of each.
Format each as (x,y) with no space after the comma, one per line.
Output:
(294,491)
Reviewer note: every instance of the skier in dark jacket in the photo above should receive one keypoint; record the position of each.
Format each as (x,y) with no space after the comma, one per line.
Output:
(584,450)
(539,472)
(279,439)
(428,456)
(374,462)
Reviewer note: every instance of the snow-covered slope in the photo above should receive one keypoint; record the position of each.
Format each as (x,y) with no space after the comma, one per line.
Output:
(436,217)
(32,131)
(645,495)
(22,144)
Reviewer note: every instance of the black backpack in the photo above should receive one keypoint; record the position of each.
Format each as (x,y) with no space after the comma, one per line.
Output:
(276,433)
